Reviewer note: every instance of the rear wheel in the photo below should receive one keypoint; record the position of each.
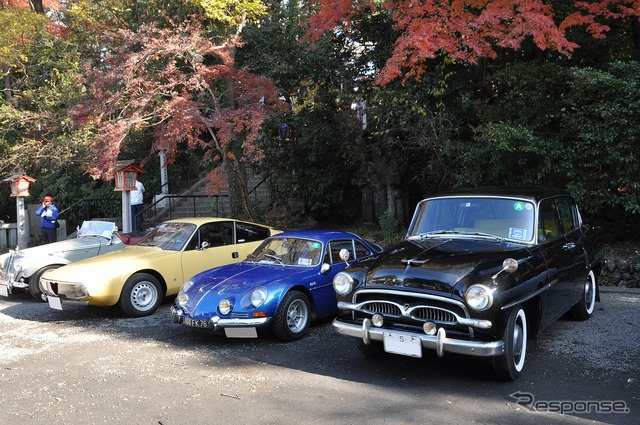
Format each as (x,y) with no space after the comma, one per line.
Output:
(293,316)
(583,309)
(141,295)
(35,288)
(509,365)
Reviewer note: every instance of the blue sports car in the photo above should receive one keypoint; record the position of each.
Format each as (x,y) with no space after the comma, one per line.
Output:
(283,285)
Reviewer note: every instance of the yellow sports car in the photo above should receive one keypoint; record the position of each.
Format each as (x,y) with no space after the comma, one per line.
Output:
(138,277)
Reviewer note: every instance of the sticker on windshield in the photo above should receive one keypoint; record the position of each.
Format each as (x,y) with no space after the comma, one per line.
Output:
(316,245)
(515,233)
(518,206)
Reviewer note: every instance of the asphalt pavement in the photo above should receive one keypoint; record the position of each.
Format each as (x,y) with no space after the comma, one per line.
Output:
(89,365)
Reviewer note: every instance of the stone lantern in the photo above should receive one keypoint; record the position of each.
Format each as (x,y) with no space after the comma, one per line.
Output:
(20,189)
(125,182)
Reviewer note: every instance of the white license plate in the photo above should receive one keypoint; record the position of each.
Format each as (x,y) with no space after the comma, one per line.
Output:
(402,344)
(4,290)
(54,302)
(196,323)
(241,332)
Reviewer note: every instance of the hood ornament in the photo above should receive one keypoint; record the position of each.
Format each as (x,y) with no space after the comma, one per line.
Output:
(413,262)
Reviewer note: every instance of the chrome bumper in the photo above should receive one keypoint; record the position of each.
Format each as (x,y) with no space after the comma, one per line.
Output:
(12,284)
(439,342)
(216,322)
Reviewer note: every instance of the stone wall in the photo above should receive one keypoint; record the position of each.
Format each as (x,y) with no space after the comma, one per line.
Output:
(621,272)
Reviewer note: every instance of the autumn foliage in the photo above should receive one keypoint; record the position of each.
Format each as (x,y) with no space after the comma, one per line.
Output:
(183,87)
(466,30)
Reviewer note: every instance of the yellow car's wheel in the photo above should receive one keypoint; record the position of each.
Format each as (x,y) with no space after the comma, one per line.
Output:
(141,295)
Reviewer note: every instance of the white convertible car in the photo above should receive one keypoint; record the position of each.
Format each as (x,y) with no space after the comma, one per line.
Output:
(21,269)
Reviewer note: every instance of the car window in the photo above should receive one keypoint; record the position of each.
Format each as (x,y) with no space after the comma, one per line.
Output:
(288,252)
(250,233)
(356,250)
(168,236)
(549,227)
(501,217)
(568,215)
(215,234)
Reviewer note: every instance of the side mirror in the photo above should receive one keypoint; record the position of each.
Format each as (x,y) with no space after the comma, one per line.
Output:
(325,268)
(344,255)
(204,245)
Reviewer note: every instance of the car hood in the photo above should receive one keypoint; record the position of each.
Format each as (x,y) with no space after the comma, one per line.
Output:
(110,264)
(65,246)
(439,265)
(238,278)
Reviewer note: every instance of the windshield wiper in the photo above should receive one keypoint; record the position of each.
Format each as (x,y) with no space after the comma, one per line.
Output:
(274,257)
(434,232)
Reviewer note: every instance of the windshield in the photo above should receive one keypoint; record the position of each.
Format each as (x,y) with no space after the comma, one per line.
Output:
(474,216)
(97,228)
(288,252)
(168,236)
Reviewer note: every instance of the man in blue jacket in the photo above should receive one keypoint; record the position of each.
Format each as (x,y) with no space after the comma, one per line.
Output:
(48,214)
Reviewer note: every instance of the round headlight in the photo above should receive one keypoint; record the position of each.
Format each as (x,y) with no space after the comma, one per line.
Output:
(18,264)
(479,297)
(224,307)
(258,297)
(182,299)
(343,283)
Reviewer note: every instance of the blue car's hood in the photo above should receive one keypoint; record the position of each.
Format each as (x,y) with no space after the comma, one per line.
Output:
(237,279)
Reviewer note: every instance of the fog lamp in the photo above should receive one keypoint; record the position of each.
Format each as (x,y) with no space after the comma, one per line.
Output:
(377,320)
(429,328)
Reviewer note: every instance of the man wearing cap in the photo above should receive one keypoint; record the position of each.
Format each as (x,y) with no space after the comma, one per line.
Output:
(48,214)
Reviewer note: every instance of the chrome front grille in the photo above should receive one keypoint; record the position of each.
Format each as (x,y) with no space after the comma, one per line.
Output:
(408,307)
(380,307)
(431,314)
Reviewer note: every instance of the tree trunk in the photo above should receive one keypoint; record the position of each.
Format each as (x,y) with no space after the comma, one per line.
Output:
(36,5)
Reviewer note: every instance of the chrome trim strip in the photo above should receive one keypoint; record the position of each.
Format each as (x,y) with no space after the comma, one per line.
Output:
(529,296)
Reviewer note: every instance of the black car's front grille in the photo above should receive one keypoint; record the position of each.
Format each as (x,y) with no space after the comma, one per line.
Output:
(409,309)
(433,315)
(386,309)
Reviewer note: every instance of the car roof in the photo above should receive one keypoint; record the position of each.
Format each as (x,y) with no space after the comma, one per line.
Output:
(533,193)
(203,220)
(323,235)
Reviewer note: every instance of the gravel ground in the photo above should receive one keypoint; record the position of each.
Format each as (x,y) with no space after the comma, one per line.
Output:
(93,366)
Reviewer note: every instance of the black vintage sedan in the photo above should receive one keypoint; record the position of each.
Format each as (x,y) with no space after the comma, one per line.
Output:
(478,273)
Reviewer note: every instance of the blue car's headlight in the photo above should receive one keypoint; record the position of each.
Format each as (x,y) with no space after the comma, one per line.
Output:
(258,297)
(225,306)
(183,297)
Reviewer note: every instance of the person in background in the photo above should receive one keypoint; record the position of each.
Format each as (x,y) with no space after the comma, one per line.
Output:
(137,198)
(48,214)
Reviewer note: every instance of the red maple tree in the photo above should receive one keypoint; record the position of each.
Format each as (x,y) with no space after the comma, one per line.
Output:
(466,30)
(188,91)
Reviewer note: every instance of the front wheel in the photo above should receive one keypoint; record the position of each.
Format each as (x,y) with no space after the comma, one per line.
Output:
(35,287)
(583,309)
(141,295)
(509,365)
(293,316)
